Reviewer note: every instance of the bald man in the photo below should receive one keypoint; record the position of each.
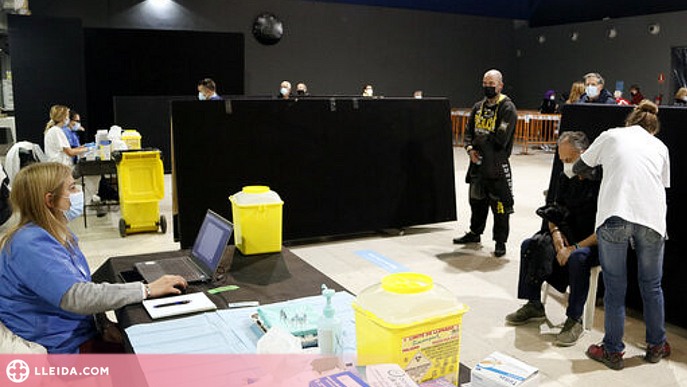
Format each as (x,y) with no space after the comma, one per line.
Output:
(489,140)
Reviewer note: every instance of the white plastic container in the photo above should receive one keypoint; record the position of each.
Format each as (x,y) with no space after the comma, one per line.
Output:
(409,320)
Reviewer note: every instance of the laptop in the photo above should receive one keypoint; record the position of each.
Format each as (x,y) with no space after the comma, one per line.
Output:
(203,262)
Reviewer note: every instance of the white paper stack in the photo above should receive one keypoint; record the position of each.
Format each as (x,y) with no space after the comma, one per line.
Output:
(178,305)
(499,370)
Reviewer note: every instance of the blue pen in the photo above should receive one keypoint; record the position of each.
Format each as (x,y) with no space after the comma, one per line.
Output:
(173,303)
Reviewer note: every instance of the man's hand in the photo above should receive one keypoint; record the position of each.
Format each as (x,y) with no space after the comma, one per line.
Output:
(474,156)
(564,254)
(559,241)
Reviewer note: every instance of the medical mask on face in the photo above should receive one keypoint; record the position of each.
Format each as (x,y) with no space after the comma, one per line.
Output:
(368,92)
(76,126)
(568,170)
(76,207)
(66,122)
(284,91)
(201,96)
(684,98)
(300,92)
(592,91)
(489,91)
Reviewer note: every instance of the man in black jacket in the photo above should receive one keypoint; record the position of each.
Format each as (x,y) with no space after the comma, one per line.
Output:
(575,245)
(489,141)
(594,91)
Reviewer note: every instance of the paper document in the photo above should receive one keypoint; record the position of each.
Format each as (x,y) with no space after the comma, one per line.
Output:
(388,375)
(178,305)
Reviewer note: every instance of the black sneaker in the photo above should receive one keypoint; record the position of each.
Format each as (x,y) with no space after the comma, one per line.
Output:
(500,250)
(654,354)
(532,311)
(469,237)
(571,332)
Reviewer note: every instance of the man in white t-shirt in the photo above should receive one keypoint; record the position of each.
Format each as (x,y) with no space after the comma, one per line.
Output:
(631,209)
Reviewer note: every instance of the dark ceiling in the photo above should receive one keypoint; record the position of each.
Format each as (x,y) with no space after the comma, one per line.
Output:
(537,12)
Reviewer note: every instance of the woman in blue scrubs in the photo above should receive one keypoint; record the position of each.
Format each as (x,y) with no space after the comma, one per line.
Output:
(46,294)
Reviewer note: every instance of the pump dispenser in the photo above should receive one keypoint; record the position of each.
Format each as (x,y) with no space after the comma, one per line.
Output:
(329,327)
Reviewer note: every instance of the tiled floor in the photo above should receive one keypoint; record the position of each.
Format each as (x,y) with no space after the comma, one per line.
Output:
(485,283)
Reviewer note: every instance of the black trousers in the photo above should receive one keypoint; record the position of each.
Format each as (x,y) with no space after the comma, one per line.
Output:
(478,219)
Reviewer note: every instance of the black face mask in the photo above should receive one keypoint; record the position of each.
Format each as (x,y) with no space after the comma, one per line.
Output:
(300,92)
(489,91)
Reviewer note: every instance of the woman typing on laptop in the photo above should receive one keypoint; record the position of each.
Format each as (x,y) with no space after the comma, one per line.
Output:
(47,295)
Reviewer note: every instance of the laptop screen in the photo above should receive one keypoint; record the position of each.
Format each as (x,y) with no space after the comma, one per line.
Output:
(212,239)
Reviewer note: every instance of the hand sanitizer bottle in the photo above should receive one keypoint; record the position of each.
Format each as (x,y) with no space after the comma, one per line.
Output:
(329,327)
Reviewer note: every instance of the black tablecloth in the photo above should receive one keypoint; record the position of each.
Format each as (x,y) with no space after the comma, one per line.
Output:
(265,278)
(94,168)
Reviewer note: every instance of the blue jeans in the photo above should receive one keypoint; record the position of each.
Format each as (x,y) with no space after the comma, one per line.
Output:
(575,273)
(614,236)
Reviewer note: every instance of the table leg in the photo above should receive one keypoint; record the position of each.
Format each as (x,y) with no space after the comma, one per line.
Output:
(83,189)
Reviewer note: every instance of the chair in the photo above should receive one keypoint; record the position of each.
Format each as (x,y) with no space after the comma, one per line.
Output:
(590,305)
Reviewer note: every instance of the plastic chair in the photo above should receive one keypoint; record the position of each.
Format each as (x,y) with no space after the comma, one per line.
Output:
(590,304)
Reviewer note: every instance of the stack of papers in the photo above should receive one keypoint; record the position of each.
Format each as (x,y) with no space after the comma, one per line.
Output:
(178,305)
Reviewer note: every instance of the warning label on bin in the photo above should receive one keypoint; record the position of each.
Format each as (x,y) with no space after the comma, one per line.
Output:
(431,354)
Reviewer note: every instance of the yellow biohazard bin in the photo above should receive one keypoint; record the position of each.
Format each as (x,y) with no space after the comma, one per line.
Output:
(132,139)
(409,320)
(257,213)
(140,176)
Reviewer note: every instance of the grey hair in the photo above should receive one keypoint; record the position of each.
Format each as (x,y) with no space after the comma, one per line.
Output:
(595,75)
(577,139)
(495,73)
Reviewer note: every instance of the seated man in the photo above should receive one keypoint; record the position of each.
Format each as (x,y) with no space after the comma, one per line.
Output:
(594,91)
(576,253)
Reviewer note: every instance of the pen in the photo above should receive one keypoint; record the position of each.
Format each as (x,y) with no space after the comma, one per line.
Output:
(184,302)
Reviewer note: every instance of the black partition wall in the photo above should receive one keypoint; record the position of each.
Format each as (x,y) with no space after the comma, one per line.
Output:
(594,119)
(341,166)
(47,69)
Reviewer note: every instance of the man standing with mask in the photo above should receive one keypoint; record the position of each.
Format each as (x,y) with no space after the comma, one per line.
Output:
(489,142)
(594,91)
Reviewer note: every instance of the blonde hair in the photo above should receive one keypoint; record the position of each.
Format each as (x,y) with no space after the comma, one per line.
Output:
(58,113)
(29,188)
(681,93)
(645,115)
(576,92)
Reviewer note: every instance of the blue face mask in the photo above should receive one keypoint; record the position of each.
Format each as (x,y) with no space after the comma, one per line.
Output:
(76,207)
(201,96)
(76,126)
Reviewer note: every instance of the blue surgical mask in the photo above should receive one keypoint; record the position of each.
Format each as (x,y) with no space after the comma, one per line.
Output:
(284,91)
(76,207)
(76,126)
(201,96)
(66,122)
(592,91)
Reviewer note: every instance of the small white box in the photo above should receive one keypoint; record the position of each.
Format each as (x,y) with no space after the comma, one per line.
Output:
(499,370)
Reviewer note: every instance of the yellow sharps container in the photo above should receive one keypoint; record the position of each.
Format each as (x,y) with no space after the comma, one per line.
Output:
(409,320)
(257,213)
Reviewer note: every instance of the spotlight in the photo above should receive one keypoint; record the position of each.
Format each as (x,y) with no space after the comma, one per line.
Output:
(654,29)
(574,36)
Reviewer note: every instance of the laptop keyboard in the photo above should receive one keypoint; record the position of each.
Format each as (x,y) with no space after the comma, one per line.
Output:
(181,267)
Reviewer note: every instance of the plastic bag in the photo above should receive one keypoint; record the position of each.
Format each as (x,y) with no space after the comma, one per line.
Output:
(278,341)
(115,136)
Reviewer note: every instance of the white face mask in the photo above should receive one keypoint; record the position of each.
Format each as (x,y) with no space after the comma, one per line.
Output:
(684,98)
(368,92)
(284,91)
(592,91)
(201,96)
(568,170)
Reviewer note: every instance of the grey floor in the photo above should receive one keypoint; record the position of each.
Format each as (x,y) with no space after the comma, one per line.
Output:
(485,283)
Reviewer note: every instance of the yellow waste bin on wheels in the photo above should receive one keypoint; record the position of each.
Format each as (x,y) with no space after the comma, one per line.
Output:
(141,187)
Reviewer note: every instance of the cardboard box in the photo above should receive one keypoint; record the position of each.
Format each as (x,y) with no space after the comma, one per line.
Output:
(499,370)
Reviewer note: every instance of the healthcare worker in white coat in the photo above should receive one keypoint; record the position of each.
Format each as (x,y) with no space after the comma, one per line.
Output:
(57,147)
